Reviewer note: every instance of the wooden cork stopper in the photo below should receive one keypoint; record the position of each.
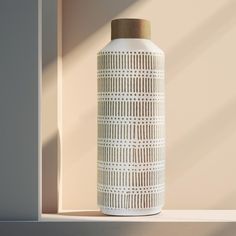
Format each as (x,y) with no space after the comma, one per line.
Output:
(130,28)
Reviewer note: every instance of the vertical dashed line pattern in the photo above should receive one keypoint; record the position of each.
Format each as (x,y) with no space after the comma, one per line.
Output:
(131,131)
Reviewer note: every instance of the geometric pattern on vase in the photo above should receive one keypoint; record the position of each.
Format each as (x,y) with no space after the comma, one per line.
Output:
(131,131)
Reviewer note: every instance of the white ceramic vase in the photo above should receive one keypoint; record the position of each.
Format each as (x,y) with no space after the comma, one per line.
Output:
(131,125)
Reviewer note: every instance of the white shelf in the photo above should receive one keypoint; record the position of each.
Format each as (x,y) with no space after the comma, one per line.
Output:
(164,216)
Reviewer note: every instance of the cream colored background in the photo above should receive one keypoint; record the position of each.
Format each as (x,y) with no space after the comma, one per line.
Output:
(198,38)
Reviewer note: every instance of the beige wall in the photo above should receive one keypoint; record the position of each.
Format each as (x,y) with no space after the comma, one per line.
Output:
(199,40)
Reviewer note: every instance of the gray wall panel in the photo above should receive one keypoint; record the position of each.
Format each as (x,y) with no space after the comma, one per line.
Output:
(19,109)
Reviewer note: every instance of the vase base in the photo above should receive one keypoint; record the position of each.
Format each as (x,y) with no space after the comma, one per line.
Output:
(130,212)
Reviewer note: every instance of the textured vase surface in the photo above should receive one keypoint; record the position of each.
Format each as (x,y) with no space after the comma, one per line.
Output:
(131,128)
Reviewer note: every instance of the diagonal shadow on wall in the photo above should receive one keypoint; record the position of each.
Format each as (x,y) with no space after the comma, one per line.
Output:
(183,155)
(207,135)
(192,45)
(88,16)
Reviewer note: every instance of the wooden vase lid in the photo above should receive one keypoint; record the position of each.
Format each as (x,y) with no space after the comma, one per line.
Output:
(130,28)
